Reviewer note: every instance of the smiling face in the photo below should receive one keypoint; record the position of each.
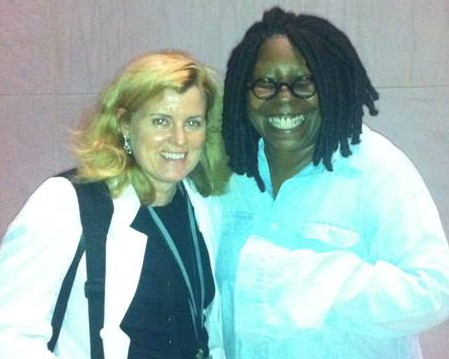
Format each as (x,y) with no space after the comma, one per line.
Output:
(286,123)
(167,136)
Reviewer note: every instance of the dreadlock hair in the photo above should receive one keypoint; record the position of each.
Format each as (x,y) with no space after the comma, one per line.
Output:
(341,80)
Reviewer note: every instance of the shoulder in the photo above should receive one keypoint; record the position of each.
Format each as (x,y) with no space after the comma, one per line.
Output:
(385,167)
(376,145)
(35,254)
(47,229)
(52,208)
(375,152)
(52,186)
(55,197)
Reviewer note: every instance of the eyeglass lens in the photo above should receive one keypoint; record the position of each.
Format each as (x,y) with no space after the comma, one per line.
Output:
(302,87)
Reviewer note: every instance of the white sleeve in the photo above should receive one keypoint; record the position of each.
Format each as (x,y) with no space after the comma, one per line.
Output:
(405,288)
(34,257)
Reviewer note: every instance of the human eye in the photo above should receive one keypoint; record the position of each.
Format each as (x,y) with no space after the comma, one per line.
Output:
(265,82)
(160,121)
(263,88)
(304,86)
(195,122)
(306,80)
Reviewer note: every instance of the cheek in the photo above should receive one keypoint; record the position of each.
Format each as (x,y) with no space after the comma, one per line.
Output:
(199,139)
(253,104)
(314,103)
(255,122)
(252,110)
(145,140)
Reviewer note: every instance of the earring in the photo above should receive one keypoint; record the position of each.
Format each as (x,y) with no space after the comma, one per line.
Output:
(126,145)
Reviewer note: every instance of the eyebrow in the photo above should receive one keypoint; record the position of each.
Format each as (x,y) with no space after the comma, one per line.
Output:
(200,117)
(272,76)
(158,114)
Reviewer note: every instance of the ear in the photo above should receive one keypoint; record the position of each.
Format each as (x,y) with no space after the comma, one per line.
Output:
(123,121)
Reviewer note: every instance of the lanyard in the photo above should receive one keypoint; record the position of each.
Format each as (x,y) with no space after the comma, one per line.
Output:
(195,312)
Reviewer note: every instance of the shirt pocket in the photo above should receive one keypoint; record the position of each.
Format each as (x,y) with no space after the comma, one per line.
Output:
(327,236)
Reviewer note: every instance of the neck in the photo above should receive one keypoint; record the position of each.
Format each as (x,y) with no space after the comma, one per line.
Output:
(163,194)
(285,164)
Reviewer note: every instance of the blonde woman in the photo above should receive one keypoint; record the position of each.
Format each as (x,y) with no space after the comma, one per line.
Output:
(155,141)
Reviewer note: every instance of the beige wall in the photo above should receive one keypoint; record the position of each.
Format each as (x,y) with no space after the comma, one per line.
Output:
(55,55)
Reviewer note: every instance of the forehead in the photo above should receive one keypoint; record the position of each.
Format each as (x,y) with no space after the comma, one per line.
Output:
(278,55)
(170,100)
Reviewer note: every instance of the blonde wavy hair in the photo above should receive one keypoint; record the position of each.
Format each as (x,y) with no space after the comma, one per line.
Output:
(98,144)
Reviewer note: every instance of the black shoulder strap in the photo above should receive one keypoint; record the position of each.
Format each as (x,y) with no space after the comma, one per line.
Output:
(96,210)
(64,294)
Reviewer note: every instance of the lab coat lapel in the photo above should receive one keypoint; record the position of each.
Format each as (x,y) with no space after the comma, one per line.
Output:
(125,251)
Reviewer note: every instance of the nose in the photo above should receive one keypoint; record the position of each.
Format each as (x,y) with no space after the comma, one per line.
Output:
(284,93)
(179,135)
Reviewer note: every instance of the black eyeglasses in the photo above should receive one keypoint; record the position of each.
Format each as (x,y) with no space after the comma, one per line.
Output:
(265,88)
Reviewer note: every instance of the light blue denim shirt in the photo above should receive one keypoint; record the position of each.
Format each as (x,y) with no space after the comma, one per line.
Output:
(348,264)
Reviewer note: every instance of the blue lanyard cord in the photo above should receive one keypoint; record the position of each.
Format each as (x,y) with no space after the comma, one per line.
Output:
(194,312)
(196,243)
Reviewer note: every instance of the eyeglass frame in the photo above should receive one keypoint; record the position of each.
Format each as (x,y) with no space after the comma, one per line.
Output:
(278,86)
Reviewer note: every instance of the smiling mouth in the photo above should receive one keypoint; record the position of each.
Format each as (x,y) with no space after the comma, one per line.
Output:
(286,122)
(173,155)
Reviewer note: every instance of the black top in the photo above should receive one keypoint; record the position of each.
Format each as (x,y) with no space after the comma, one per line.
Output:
(159,320)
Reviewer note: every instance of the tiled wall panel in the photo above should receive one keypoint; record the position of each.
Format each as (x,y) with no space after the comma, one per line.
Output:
(401,42)
(209,32)
(435,342)
(93,39)
(34,143)
(56,55)
(91,43)
(25,47)
(29,147)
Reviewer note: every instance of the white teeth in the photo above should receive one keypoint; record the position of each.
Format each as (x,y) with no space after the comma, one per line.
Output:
(173,155)
(285,122)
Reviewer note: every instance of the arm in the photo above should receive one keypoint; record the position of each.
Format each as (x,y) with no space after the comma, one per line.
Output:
(404,289)
(34,256)
(399,287)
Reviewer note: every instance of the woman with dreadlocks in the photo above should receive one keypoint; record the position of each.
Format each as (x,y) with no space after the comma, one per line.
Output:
(331,245)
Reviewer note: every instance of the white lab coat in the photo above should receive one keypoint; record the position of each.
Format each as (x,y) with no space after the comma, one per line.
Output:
(35,255)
